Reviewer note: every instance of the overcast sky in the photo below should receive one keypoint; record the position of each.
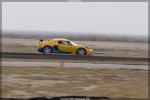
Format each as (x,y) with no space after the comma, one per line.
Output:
(98,17)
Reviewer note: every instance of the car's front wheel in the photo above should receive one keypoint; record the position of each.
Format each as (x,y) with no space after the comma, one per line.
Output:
(81,52)
(47,50)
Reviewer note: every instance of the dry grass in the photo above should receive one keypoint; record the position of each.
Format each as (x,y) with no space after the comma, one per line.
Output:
(42,81)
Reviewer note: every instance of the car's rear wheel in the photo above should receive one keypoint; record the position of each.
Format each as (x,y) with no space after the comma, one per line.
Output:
(81,52)
(47,50)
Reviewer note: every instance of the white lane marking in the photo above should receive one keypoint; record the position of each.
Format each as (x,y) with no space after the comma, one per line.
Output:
(83,65)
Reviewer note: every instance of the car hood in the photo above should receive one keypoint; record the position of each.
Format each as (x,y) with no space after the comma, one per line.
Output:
(80,45)
(83,46)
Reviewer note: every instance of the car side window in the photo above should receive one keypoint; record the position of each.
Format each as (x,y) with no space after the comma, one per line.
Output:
(60,42)
(64,42)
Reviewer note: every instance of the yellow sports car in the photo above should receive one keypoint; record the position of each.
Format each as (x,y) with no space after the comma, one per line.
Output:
(62,46)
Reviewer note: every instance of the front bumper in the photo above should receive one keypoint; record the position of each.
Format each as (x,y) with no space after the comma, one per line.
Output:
(90,52)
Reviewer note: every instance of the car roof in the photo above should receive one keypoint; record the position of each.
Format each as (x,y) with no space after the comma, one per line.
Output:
(60,39)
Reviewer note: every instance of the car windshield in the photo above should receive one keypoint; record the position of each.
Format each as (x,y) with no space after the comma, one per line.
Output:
(73,43)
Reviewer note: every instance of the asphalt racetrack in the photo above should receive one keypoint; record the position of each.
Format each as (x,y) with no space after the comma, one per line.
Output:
(68,57)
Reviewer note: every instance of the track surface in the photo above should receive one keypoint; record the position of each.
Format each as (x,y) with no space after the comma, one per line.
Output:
(68,57)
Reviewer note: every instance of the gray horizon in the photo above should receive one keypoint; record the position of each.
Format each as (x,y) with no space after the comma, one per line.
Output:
(111,18)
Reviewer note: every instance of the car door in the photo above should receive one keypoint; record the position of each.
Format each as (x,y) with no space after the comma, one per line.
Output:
(64,46)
